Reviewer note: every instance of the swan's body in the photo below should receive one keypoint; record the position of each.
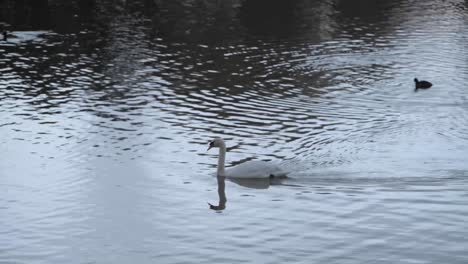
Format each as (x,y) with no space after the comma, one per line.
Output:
(255,169)
(247,170)
(421,84)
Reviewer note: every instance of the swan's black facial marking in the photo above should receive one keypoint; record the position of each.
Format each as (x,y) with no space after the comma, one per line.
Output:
(210,145)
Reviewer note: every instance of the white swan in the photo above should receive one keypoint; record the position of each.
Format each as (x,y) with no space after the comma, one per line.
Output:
(247,170)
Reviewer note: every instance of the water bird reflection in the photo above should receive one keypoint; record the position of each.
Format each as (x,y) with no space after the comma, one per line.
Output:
(264,183)
(221,193)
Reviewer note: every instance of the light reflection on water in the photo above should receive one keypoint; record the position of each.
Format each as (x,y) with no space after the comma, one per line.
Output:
(105,131)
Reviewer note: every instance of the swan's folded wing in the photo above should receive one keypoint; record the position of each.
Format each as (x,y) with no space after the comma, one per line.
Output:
(255,169)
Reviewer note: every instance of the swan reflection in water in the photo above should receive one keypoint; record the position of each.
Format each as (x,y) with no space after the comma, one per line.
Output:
(221,193)
(263,183)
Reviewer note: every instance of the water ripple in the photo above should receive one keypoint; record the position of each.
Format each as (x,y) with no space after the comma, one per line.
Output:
(105,131)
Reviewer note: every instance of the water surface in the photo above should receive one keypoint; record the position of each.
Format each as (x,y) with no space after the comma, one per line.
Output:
(105,119)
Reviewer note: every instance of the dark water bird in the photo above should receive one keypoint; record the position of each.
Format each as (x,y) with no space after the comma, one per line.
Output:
(421,84)
(4,27)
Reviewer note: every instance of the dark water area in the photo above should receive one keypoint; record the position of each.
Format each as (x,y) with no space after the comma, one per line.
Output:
(106,109)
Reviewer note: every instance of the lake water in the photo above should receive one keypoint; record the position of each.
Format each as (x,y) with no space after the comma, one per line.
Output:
(106,111)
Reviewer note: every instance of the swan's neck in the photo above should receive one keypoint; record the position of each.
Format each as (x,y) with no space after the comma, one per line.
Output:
(221,159)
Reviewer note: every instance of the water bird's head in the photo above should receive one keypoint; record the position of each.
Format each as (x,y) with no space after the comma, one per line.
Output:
(216,143)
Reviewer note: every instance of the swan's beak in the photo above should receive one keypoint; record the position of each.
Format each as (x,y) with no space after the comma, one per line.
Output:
(209,147)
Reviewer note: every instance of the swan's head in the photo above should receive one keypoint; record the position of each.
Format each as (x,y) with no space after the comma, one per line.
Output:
(216,143)
(416,80)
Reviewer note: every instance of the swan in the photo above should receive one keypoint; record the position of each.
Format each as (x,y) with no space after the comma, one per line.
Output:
(422,84)
(254,169)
